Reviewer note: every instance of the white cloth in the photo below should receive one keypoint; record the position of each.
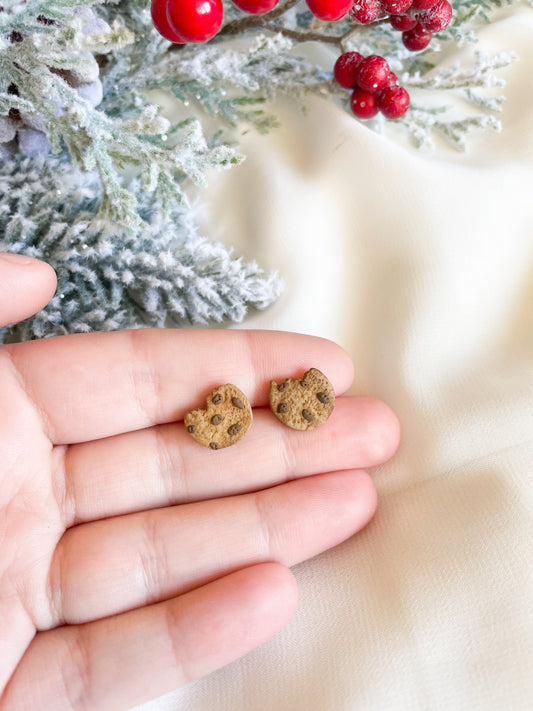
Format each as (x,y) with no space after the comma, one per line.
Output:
(421,266)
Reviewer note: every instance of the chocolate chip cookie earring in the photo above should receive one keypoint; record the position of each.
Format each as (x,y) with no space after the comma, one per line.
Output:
(225,419)
(303,403)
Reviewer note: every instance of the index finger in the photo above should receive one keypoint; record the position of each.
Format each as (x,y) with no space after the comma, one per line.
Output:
(89,386)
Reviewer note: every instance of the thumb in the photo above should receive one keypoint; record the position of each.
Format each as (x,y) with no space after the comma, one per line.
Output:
(26,285)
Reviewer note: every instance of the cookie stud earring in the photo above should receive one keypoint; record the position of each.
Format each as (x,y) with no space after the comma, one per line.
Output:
(303,403)
(225,419)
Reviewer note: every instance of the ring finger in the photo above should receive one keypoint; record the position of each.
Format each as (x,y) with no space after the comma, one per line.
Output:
(150,556)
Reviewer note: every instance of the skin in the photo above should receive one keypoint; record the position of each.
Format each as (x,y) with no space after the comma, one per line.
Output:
(133,559)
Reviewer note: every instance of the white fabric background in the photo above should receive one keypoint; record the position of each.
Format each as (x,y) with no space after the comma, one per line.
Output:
(421,266)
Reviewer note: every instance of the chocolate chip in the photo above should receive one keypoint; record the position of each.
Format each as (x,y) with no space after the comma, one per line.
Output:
(46,20)
(282,386)
(323,397)
(303,383)
(216,419)
(217,399)
(283,407)
(213,445)
(237,402)
(191,429)
(234,429)
(307,415)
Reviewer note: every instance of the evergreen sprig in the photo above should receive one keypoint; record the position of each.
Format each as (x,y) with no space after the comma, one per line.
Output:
(109,278)
(95,139)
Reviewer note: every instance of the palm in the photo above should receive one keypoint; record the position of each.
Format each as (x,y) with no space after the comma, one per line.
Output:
(134,560)
(31,520)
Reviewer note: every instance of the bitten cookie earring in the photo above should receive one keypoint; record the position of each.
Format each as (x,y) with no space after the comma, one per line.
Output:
(225,420)
(303,403)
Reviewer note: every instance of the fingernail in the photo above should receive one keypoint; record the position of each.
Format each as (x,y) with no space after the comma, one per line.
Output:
(20,259)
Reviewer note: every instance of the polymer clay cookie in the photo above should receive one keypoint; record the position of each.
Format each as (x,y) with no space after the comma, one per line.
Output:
(303,403)
(225,420)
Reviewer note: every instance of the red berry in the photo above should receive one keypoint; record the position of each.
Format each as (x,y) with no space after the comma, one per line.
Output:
(366,11)
(437,18)
(393,102)
(416,39)
(373,73)
(403,22)
(363,104)
(329,10)
(391,81)
(345,69)
(195,20)
(159,18)
(395,7)
(255,7)
(423,4)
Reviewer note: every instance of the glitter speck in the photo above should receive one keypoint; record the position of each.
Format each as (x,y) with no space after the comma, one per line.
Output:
(58,192)
(164,137)
(185,103)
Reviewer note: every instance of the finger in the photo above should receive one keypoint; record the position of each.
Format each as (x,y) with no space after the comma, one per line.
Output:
(146,557)
(98,384)
(163,465)
(26,285)
(122,661)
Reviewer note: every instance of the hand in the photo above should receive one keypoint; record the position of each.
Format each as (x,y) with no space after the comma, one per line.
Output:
(133,560)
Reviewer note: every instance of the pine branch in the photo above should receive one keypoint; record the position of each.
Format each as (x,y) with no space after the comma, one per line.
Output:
(481,75)
(97,140)
(108,278)
(423,123)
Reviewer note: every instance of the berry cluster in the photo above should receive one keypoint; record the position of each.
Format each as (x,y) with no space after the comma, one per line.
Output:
(182,21)
(374,86)
(418,20)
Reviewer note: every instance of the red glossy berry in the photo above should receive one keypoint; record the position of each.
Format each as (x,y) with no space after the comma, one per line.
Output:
(403,22)
(423,4)
(159,18)
(395,7)
(255,7)
(393,102)
(437,18)
(329,10)
(363,104)
(373,73)
(366,11)
(416,39)
(392,80)
(195,20)
(345,69)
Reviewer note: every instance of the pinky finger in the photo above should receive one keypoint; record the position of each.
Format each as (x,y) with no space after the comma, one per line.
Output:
(122,661)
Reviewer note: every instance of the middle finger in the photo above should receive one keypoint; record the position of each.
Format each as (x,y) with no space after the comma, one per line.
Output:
(163,465)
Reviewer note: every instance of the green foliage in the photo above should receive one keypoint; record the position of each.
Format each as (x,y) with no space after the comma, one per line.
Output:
(163,274)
